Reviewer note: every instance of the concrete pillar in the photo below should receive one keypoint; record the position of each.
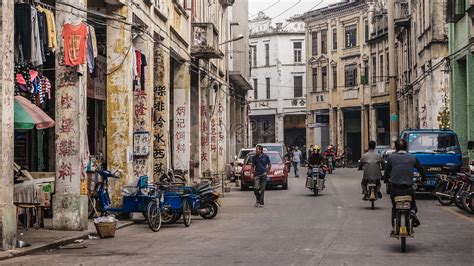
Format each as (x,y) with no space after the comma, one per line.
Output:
(364,115)
(182,121)
(69,200)
(332,125)
(161,108)
(205,112)
(340,130)
(7,209)
(373,123)
(280,128)
(142,106)
(120,113)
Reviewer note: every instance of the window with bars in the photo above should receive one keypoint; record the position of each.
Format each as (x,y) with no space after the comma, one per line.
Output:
(387,73)
(255,89)
(314,43)
(334,39)
(382,66)
(324,78)
(315,79)
(350,75)
(365,78)
(253,52)
(324,41)
(297,48)
(351,36)
(298,86)
(374,69)
(334,77)
(268,87)
(366,27)
(267,54)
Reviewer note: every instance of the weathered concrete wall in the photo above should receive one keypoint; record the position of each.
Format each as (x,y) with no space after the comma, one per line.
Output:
(120,113)
(205,114)
(7,209)
(69,200)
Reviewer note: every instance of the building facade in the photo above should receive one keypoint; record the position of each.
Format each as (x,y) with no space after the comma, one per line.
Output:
(460,16)
(278,65)
(422,46)
(336,76)
(156,94)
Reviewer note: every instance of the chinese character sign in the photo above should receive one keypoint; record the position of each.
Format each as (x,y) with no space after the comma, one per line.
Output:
(181,137)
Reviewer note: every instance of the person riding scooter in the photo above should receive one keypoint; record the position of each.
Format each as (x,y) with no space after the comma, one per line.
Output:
(399,173)
(371,163)
(315,159)
(329,157)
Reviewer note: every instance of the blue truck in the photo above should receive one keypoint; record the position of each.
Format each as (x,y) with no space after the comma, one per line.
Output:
(434,148)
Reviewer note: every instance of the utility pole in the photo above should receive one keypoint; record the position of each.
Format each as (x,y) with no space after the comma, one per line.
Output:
(392,71)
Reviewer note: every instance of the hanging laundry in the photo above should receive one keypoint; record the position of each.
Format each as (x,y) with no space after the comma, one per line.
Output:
(23,29)
(36,54)
(43,33)
(75,44)
(51,28)
(90,49)
(142,77)
(46,85)
(95,52)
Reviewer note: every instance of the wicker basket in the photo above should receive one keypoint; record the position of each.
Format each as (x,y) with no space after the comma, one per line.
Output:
(106,230)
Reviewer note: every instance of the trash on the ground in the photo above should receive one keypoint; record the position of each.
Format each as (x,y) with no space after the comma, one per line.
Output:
(105,219)
(22,244)
(91,237)
(74,246)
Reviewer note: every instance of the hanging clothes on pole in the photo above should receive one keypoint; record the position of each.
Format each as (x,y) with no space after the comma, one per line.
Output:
(75,44)
(36,50)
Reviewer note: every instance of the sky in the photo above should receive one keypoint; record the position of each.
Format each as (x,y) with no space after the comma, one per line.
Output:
(275,8)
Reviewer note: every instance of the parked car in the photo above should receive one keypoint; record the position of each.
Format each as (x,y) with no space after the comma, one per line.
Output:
(278,147)
(239,161)
(278,175)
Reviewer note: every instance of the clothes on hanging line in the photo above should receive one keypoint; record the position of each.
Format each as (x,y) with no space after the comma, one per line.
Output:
(35,33)
(29,81)
(138,69)
(75,44)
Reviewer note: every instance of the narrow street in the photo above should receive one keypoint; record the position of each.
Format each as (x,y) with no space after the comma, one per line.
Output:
(294,228)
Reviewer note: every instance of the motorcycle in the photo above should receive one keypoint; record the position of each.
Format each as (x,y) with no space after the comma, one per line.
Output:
(330,164)
(315,179)
(209,201)
(403,222)
(372,187)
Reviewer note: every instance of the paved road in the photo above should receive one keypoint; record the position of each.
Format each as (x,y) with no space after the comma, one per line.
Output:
(294,228)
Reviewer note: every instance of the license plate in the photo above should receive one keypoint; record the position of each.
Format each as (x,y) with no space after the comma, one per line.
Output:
(431,182)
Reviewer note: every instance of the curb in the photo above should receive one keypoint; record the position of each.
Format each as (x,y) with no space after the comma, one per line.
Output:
(54,245)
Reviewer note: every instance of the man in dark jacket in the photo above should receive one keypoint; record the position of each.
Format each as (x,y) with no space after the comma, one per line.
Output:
(399,173)
(261,166)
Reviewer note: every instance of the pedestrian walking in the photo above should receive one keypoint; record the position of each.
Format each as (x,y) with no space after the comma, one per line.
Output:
(297,156)
(261,166)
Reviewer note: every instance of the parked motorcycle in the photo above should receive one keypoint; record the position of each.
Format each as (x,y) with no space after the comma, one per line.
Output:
(315,179)
(209,201)
(402,223)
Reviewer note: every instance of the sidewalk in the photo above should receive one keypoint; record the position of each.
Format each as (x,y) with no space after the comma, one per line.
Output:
(45,239)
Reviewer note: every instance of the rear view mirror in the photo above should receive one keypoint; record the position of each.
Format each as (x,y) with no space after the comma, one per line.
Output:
(470,145)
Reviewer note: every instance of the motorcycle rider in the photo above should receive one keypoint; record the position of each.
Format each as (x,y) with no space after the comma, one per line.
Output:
(371,163)
(329,153)
(399,173)
(315,159)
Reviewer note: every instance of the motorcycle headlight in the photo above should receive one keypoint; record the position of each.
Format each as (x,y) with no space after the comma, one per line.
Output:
(278,172)
(247,173)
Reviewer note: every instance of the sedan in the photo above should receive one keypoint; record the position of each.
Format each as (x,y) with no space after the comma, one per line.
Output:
(278,175)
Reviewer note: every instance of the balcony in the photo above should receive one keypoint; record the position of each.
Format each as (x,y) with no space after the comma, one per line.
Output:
(402,13)
(205,43)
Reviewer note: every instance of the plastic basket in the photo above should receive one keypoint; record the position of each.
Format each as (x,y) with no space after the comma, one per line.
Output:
(106,230)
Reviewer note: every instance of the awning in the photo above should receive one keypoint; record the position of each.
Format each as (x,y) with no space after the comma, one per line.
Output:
(28,115)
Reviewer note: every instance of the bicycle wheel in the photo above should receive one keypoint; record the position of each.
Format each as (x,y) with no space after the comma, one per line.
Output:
(186,213)
(153,216)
